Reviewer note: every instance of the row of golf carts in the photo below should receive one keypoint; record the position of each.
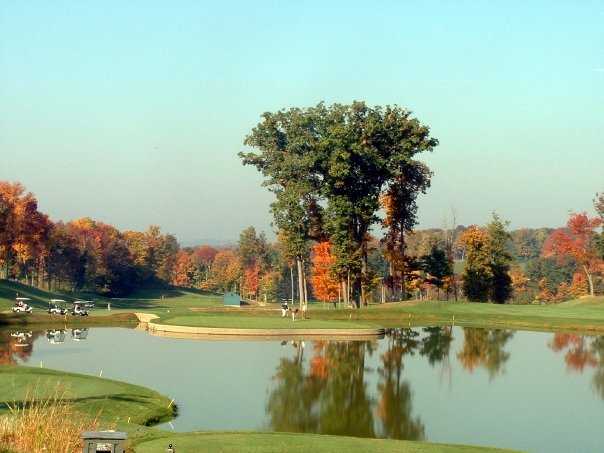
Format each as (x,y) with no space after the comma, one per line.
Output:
(55,307)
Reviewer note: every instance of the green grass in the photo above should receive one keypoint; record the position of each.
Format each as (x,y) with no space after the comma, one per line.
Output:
(115,401)
(239,320)
(294,443)
(173,306)
(158,301)
(581,314)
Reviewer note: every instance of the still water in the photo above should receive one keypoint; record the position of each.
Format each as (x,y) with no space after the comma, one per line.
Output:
(540,392)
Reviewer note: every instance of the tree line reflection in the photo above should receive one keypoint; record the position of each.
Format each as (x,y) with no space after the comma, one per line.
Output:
(336,391)
(580,353)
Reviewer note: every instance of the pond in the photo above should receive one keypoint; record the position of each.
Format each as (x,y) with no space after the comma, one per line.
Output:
(541,392)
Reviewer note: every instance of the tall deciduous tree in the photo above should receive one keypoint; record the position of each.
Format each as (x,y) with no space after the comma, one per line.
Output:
(342,157)
(499,239)
(400,208)
(477,272)
(577,240)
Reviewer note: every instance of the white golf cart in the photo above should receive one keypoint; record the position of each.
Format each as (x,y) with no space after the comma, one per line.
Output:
(21,305)
(79,307)
(79,334)
(57,307)
(22,337)
(55,336)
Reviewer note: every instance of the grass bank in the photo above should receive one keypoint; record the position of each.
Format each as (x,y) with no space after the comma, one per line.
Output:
(582,314)
(295,443)
(115,401)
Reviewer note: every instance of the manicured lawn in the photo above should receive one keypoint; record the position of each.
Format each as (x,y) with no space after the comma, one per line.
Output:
(238,320)
(294,443)
(115,401)
(157,301)
(585,314)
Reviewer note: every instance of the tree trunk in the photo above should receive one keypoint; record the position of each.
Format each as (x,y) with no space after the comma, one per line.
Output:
(291,274)
(300,281)
(590,280)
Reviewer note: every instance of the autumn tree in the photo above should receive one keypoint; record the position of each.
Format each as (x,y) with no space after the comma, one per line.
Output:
(400,206)
(184,269)
(477,273)
(599,239)
(499,238)
(325,286)
(24,233)
(577,240)
(226,270)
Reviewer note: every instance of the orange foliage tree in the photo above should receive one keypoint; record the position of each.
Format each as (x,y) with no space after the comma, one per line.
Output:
(184,269)
(251,280)
(577,241)
(325,286)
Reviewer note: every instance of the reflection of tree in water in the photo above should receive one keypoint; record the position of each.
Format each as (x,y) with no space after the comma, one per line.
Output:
(330,398)
(582,352)
(484,348)
(395,403)
(436,344)
(330,395)
(19,345)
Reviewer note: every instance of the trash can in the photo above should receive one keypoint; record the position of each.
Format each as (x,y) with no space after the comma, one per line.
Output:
(104,441)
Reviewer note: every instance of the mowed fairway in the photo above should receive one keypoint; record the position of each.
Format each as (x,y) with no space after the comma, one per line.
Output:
(113,401)
(581,314)
(295,443)
(243,321)
(156,301)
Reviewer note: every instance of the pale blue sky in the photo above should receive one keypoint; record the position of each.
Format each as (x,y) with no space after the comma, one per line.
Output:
(133,112)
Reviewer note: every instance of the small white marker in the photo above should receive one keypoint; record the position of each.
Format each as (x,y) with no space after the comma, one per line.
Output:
(101,373)
(171,426)
(128,420)
(41,364)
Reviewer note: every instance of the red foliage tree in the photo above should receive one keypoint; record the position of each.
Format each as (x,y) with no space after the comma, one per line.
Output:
(325,286)
(251,280)
(184,270)
(577,241)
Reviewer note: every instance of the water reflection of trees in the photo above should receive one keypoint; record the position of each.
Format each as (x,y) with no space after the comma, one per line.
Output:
(16,344)
(485,348)
(580,353)
(329,393)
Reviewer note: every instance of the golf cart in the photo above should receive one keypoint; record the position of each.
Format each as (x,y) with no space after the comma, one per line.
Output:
(21,305)
(79,334)
(22,337)
(57,307)
(79,308)
(55,336)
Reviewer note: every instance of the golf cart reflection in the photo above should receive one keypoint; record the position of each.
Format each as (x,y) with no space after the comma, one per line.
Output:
(55,336)
(22,337)
(79,334)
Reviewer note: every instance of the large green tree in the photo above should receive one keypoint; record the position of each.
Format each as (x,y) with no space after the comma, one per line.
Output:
(287,144)
(499,241)
(342,158)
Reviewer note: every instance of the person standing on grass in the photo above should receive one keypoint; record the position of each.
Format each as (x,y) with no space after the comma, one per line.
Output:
(284,308)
